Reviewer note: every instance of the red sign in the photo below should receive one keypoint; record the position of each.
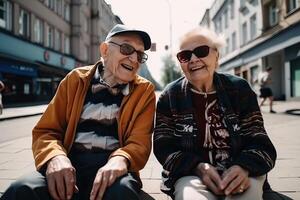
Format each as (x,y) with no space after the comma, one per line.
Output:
(46,55)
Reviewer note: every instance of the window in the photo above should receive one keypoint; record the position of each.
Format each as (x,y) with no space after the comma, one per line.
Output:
(57,42)
(85,53)
(273,15)
(51,4)
(227,46)
(59,7)
(253,26)
(24,29)
(244,33)
(221,24)
(85,24)
(50,36)
(232,9)
(233,41)
(226,19)
(38,31)
(55,5)
(218,25)
(5,14)
(67,11)
(242,4)
(67,45)
(292,4)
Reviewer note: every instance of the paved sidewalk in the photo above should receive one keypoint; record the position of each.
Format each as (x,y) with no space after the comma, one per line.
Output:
(16,157)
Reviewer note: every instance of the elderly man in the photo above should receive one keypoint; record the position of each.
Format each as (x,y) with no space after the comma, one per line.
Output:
(95,135)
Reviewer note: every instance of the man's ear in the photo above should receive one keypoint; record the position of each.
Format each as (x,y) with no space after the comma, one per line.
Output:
(103,49)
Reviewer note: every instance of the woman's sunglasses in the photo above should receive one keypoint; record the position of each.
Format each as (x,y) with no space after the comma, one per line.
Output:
(186,55)
(127,50)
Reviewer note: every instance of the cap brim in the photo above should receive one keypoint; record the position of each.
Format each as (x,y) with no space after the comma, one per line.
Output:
(144,36)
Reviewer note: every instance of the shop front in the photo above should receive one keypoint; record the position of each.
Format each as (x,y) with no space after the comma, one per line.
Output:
(28,83)
(19,82)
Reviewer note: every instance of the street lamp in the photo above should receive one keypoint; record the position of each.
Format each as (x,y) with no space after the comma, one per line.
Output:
(170,25)
(170,30)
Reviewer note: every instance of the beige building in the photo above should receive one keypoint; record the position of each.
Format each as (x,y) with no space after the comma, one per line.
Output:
(41,40)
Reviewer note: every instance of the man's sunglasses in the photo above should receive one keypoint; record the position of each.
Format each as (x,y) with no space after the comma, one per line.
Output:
(186,55)
(127,50)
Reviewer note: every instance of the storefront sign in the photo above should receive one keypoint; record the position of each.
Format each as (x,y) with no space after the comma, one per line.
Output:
(19,69)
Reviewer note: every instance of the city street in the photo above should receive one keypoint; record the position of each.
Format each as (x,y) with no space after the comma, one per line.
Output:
(16,157)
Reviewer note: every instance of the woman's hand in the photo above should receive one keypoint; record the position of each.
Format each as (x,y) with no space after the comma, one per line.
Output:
(235,180)
(210,177)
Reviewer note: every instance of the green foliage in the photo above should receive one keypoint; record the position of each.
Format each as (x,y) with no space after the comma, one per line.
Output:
(171,71)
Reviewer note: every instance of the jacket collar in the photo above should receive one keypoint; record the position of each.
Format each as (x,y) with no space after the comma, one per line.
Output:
(89,75)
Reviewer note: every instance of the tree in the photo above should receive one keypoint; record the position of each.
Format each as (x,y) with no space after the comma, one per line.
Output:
(171,71)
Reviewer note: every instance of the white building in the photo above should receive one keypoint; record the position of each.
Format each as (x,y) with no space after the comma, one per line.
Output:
(260,33)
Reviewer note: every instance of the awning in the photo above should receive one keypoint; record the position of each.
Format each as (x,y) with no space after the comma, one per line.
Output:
(18,69)
(286,38)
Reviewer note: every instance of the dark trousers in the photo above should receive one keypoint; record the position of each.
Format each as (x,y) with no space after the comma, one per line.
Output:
(34,185)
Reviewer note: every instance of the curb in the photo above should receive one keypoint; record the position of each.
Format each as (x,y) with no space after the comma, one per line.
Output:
(20,116)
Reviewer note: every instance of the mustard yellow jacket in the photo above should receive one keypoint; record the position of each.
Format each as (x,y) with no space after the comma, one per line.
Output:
(54,133)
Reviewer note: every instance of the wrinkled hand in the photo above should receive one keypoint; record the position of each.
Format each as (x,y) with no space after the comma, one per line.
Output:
(106,176)
(209,177)
(61,178)
(235,180)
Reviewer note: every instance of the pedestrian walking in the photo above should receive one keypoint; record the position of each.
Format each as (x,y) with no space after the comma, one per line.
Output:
(209,134)
(95,134)
(2,86)
(264,80)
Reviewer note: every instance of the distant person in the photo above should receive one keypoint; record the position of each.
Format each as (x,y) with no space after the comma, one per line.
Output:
(2,86)
(264,80)
(95,135)
(209,134)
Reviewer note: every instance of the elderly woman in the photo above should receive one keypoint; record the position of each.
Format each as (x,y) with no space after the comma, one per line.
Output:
(209,134)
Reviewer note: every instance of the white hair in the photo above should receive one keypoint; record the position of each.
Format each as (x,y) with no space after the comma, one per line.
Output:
(217,40)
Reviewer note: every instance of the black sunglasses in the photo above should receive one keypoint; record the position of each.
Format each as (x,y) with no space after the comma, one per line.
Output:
(127,49)
(186,55)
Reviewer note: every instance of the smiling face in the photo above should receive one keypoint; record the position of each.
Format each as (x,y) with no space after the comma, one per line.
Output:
(199,71)
(120,68)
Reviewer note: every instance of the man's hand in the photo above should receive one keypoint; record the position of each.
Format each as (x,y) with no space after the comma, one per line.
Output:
(235,180)
(209,177)
(106,176)
(61,178)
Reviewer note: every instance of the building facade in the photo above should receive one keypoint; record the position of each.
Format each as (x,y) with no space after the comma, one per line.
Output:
(42,40)
(260,34)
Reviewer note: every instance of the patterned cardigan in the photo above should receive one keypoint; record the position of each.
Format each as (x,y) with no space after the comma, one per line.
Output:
(175,135)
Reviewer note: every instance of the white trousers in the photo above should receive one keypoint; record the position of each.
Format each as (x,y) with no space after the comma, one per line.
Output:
(192,188)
